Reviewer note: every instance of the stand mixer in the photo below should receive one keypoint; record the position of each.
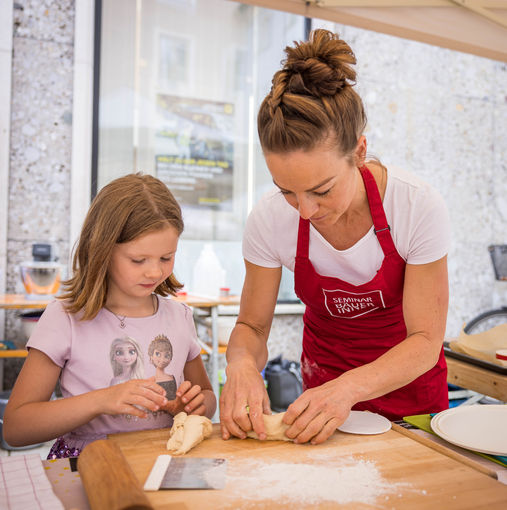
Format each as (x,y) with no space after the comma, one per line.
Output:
(41,276)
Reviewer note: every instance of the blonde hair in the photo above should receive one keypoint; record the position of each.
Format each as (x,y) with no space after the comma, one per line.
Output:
(137,371)
(124,209)
(312,100)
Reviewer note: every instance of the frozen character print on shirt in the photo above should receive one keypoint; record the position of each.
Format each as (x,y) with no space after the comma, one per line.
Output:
(126,360)
(160,352)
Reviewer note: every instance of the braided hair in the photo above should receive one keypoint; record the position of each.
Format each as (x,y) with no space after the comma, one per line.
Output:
(311,100)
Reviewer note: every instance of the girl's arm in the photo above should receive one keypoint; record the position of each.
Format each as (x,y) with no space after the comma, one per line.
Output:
(30,417)
(317,413)
(195,395)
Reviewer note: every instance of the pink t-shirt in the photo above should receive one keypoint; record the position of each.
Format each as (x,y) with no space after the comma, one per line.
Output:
(98,353)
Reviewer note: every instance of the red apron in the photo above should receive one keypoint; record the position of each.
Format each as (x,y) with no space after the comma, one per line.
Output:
(346,326)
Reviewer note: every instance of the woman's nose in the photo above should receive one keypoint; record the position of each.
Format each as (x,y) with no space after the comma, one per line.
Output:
(306,207)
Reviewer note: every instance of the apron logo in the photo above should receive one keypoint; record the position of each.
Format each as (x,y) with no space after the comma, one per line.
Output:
(350,305)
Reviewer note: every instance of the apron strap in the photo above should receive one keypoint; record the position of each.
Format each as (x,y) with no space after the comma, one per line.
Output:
(303,246)
(380,226)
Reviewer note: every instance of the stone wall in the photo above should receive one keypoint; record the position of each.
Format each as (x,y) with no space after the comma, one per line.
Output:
(40,146)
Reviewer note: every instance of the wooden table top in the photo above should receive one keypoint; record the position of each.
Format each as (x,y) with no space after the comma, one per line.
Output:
(19,301)
(412,476)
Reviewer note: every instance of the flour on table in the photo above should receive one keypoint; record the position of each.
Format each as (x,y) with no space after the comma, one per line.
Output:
(324,480)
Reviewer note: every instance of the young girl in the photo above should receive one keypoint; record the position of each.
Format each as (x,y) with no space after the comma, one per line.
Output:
(122,270)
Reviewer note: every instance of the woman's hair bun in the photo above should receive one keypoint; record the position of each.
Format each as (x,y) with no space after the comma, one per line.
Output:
(321,66)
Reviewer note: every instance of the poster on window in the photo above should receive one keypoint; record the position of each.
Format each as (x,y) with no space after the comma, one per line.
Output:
(194,150)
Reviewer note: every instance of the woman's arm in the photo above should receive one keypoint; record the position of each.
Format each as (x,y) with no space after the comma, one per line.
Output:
(31,418)
(244,398)
(316,414)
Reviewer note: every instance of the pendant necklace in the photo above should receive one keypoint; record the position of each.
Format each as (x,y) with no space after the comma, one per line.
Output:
(122,319)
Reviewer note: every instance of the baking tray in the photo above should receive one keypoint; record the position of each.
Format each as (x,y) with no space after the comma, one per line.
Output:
(474,361)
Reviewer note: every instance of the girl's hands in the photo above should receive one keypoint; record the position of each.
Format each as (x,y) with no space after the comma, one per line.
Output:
(315,415)
(189,398)
(133,397)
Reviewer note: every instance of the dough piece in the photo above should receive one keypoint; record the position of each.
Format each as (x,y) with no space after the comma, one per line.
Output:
(275,428)
(187,432)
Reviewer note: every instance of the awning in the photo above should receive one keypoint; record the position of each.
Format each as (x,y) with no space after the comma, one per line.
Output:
(471,26)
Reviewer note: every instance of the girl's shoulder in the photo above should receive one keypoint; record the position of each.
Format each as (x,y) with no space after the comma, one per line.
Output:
(173,307)
(57,309)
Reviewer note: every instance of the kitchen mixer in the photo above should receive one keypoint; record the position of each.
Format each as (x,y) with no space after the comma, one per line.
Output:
(41,276)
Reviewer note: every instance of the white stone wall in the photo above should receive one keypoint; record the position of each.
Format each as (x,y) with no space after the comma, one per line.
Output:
(439,113)
(41,122)
(40,142)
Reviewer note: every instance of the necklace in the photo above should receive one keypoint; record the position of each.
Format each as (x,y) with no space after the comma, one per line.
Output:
(122,319)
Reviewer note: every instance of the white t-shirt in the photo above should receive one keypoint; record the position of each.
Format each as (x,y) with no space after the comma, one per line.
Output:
(88,353)
(415,211)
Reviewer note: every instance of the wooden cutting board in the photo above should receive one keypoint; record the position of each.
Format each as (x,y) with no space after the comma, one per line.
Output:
(419,477)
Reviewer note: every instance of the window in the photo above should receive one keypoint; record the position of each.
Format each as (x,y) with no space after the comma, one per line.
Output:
(180,86)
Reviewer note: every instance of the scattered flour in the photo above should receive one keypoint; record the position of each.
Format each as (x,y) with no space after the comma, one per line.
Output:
(342,481)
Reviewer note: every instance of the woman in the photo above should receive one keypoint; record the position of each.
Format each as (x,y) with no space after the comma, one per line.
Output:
(368,249)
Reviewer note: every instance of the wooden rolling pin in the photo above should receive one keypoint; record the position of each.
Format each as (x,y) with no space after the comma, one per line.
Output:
(108,480)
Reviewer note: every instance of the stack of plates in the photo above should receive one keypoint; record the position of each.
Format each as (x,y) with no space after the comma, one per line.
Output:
(482,428)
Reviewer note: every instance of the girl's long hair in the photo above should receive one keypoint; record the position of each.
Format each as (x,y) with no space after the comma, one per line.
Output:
(124,209)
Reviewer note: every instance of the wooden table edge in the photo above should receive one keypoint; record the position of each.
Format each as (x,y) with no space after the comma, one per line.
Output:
(445,451)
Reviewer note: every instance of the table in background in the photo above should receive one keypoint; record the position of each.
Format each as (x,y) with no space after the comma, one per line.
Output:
(476,378)
(16,302)
(19,301)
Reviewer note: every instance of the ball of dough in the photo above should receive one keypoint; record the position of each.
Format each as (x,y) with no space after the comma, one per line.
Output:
(274,426)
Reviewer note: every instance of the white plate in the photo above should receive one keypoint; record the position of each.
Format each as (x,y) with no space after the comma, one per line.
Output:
(482,428)
(364,422)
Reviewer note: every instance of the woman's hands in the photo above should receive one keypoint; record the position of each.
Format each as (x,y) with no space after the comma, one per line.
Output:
(313,417)
(316,414)
(133,397)
(243,401)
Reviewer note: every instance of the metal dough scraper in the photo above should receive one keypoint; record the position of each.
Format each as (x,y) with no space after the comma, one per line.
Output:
(186,473)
